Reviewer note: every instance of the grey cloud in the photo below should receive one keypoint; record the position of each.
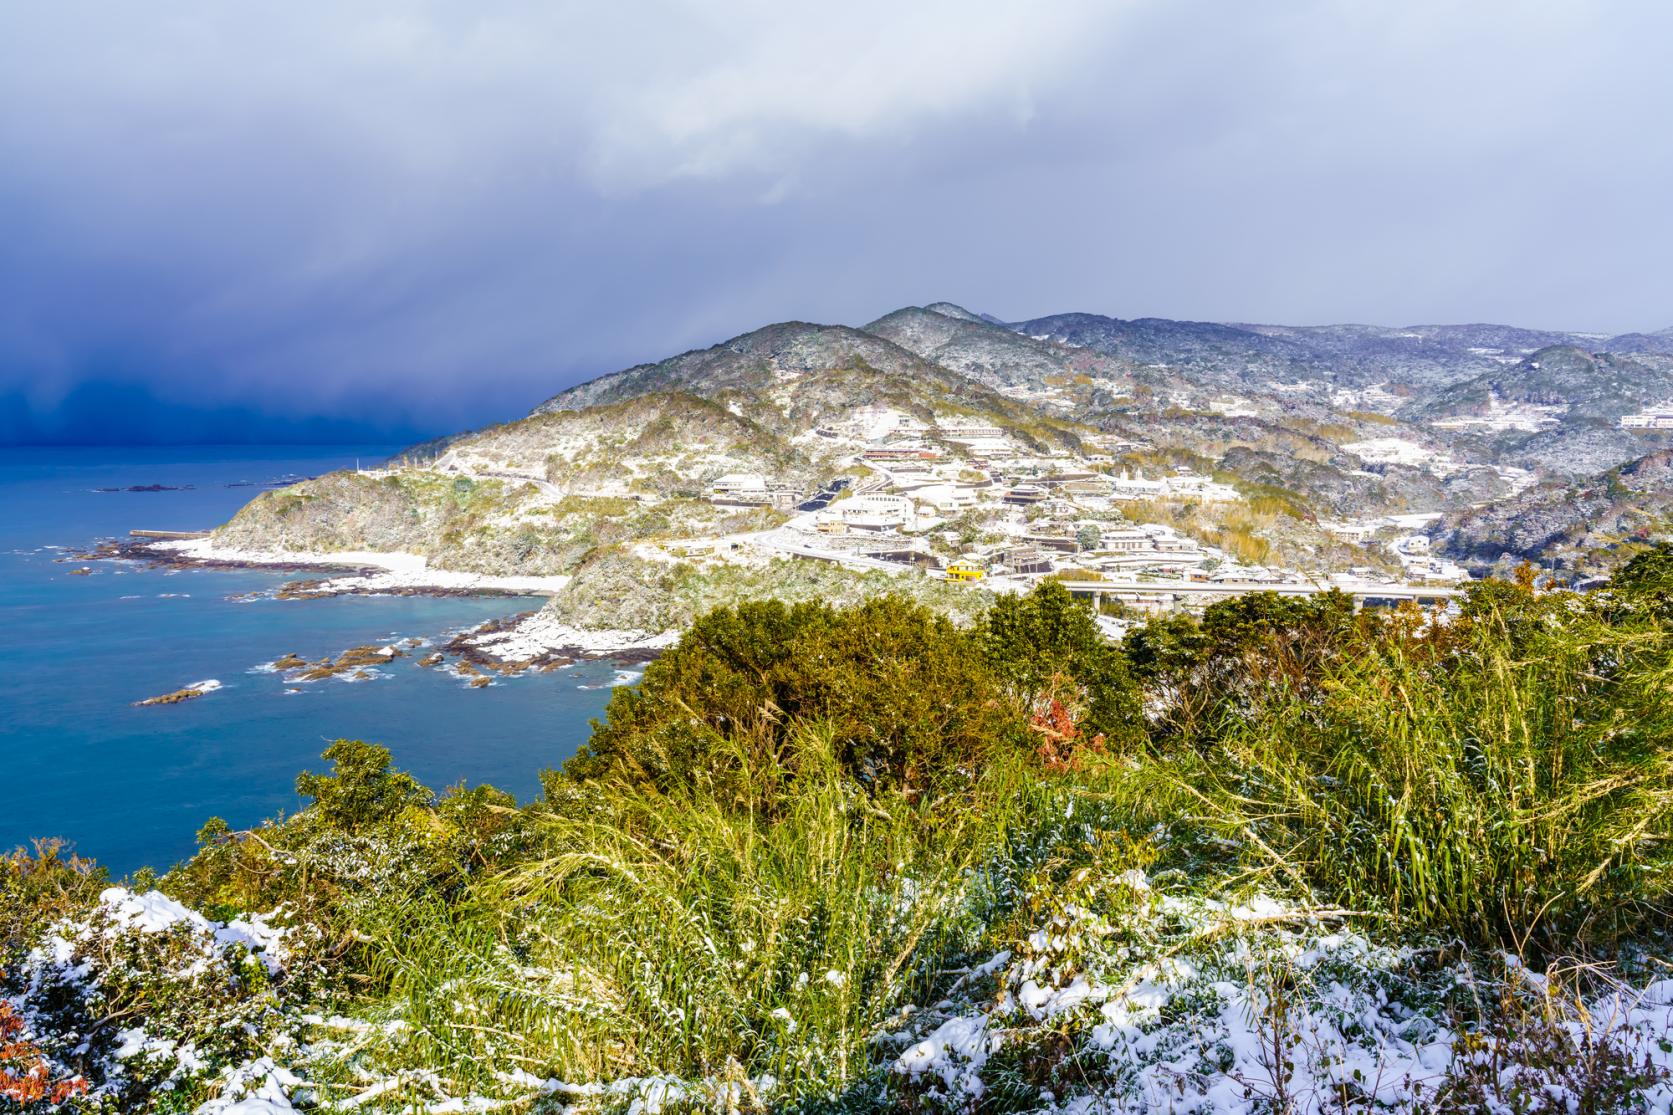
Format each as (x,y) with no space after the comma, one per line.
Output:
(437,213)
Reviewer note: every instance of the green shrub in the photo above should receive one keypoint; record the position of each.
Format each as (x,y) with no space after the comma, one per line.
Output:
(373,839)
(41,887)
(145,1002)
(1505,776)
(362,791)
(1644,586)
(907,697)
(1256,644)
(1034,643)
(695,933)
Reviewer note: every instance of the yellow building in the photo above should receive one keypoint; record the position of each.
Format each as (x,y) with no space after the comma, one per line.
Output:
(965,571)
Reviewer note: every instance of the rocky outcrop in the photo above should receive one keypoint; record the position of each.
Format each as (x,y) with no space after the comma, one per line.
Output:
(354,662)
(466,524)
(184,693)
(352,511)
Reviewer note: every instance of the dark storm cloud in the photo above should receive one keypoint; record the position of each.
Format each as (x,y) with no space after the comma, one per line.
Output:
(407,217)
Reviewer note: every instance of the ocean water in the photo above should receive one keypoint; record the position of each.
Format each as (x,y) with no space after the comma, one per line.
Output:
(130,786)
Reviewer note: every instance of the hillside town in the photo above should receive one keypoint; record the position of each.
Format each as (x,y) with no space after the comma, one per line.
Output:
(969,503)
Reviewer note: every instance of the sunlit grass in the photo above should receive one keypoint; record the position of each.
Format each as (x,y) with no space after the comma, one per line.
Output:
(714,939)
(1515,789)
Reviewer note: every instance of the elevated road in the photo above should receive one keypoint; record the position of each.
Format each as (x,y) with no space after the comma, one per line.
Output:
(1175,592)
(835,557)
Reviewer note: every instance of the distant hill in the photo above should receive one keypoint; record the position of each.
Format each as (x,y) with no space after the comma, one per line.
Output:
(794,375)
(1345,355)
(991,354)
(1660,342)
(1578,524)
(1495,426)
(1584,393)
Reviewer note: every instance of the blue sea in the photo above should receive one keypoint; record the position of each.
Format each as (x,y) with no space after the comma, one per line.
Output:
(130,786)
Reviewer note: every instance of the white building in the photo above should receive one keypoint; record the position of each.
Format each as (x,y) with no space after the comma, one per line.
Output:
(1201,487)
(969,431)
(873,512)
(740,486)
(1658,417)
(1135,486)
(946,497)
(1185,485)
(1358,532)
(1147,547)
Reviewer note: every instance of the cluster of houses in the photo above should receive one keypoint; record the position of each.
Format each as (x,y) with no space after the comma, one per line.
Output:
(967,501)
(924,485)
(1418,562)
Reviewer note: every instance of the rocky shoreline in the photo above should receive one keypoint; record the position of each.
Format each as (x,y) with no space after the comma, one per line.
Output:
(460,656)
(350,578)
(509,645)
(469,647)
(319,588)
(159,553)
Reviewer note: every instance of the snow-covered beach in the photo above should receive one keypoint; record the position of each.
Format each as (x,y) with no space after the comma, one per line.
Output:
(531,638)
(374,570)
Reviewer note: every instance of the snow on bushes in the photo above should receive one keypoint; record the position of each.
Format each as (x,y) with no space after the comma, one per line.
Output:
(141,995)
(1154,1003)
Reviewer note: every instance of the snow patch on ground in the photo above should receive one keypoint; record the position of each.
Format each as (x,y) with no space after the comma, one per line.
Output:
(954,1053)
(1390,451)
(1181,1003)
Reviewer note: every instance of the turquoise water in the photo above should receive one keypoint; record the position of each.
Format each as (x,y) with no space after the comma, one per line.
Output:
(129,785)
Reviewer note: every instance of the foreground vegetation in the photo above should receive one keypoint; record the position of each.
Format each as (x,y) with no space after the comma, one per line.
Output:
(1285,857)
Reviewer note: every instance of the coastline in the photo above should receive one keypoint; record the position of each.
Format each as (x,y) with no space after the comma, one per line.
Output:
(511,644)
(366,571)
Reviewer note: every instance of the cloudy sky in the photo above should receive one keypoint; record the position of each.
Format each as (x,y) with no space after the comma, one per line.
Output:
(367,219)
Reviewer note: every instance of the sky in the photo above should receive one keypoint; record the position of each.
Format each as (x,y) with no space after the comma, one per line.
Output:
(320,221)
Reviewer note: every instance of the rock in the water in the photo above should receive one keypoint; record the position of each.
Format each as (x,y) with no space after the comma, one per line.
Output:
(187,693)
